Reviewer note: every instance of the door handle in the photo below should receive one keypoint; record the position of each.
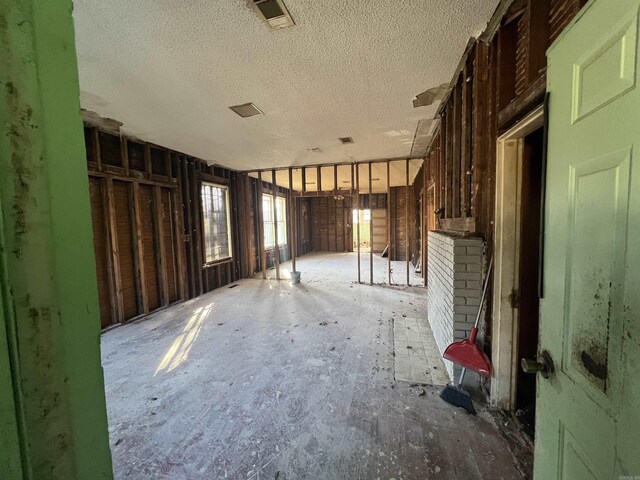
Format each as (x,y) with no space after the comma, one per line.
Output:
(543,365)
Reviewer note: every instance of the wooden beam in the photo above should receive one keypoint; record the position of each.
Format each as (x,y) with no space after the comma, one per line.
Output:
(319,178)
(196,233)
(294,223)
(178,241)
(107,173)
(186,199)
(406,222)
(147,161)
(276,248)
(138,249)
(96,146)
(448,164)
(457,137)
(425,219)
(304,179)
(124,153)
(263,253)
(112,238)
(358,209)
(465,144)
(389,221)
(371,227)
(161,267)
(335,180)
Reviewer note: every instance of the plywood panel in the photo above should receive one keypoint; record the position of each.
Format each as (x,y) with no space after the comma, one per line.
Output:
(100,247)
(125,248)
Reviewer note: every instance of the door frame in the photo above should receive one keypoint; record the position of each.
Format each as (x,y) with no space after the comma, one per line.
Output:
(504,329)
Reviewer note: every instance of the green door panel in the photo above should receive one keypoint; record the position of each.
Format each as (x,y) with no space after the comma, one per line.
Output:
(588,424)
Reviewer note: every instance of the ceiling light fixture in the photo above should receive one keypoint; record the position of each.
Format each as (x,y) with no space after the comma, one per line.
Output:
(247,110)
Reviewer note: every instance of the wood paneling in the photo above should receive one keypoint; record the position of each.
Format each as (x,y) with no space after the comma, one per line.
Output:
(330,224)
(147,218)
(170,245)
(149,247)
(124,232)
(101,249)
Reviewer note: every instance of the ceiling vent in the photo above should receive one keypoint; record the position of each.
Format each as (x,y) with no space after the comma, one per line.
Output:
(274,13)
(346,140)
(246,110)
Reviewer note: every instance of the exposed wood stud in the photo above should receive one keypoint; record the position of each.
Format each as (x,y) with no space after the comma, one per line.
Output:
(115,252)
(260,222)
(276,247)
(147,161)
(138,248)
(96,145)
(124,152)
(357,167)
(389,220)
(196,231)
(370,227)
(406,222)
(161,256)
(293,221)
(304,179)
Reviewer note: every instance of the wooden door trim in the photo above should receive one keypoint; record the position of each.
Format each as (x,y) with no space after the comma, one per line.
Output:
(504,325)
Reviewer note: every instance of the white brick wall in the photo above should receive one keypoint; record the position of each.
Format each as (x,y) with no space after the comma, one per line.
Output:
(454,288)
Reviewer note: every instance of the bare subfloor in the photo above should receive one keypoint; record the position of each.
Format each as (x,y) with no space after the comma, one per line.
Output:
(268,380)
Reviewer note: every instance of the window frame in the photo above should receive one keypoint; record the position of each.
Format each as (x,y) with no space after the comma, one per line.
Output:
(282,223)
(227,196)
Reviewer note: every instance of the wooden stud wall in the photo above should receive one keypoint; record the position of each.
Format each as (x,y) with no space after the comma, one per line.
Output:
(498,83)
(147,226)
(501,79)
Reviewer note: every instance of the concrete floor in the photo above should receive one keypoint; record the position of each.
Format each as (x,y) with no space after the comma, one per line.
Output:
(272,381)
(343,267)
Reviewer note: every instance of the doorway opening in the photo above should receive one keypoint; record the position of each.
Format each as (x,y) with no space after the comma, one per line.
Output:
(362,233)
(528,301)
(516,298)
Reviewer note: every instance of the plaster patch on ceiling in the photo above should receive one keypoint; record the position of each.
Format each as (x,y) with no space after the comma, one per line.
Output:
(169,70)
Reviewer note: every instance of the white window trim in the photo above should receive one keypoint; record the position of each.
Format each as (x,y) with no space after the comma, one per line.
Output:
(228,209)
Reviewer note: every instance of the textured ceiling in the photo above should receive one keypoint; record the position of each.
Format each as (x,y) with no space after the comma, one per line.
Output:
(169,70)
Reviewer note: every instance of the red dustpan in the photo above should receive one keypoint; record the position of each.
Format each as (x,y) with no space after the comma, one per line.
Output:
(468,354)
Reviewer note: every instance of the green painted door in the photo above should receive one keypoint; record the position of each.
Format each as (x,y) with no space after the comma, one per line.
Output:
(589,409)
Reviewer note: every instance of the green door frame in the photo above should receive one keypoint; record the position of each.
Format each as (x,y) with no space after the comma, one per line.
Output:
(49,320)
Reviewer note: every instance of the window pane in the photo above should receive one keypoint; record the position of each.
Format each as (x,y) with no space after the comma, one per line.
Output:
(268,220)
(215,216)
(267,214)
(282,220)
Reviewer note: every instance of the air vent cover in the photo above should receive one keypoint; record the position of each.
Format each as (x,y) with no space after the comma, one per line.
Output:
(274,13)
(246,110)
(346,140)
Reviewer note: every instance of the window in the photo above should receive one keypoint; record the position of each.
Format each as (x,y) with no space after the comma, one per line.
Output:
(281,216)
(215,222)
(365,216)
